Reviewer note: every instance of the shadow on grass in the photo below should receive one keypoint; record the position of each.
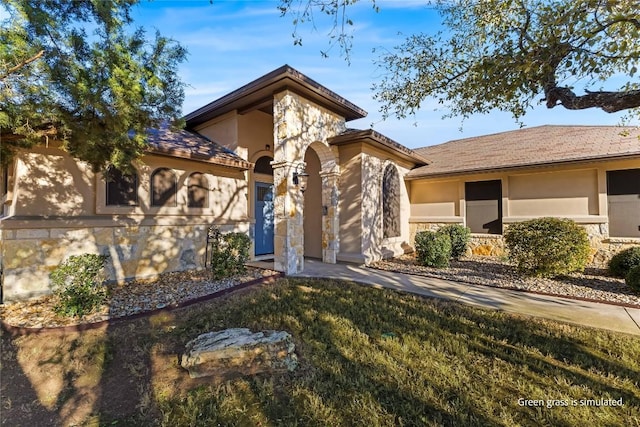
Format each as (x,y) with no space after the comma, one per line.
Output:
(380,357)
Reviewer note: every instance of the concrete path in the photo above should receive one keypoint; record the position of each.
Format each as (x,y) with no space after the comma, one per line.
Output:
(597,315)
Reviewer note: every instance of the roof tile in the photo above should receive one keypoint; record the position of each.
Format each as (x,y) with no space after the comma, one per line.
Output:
(540,145)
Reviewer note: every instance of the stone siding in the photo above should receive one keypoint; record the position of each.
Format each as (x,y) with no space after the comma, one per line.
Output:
(29,255)
(300,125)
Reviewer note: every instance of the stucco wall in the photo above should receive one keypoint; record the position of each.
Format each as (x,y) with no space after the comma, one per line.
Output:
(255,131)
(313,209)
(435,199)
(350,203)
(48,182)
(223,130)
(564,193)
(577,191)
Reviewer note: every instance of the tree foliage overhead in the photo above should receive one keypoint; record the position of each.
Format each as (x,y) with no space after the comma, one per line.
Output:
(511,54)
(75,71)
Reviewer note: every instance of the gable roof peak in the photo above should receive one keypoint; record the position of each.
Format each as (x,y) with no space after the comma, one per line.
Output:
(261,91)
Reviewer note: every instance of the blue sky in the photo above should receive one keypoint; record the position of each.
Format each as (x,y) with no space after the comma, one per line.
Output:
(231,43)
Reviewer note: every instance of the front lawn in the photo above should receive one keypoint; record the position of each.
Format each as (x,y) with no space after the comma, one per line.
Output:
(367,357)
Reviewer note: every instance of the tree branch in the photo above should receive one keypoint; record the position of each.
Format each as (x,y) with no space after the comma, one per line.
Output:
(609,102)
(22,64)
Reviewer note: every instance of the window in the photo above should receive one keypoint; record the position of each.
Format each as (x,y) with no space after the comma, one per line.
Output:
(484,206)
(391,202)
(623,194)
(198,190)
(121,190)
(263,165)
(163,187)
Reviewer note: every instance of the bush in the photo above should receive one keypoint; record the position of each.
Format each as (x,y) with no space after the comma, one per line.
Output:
(624,261)
(459,236)
(229,253)
(547,246)
(633,278)
(433,249)
(77,285)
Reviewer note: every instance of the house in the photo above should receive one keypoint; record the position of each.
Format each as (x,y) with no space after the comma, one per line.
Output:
(237,166)
(276,159)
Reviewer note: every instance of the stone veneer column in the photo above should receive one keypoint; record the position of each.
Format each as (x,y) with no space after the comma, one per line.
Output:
(330,218)
(289,226)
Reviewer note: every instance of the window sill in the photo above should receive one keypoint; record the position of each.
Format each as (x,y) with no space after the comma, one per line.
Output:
(622,240)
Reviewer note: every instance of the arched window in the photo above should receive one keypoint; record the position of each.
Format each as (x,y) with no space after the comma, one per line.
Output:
(391,202)
(121,190)
(198,189)
(263,165)
(163,187)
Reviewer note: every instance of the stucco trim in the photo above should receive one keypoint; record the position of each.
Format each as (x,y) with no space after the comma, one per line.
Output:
(422,219)
(21,222)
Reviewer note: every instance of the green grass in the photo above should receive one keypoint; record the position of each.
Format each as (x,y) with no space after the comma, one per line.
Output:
(368,357)
(378,358)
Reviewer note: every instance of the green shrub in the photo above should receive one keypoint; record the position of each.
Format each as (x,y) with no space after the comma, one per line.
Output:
(459,236)
(547,246)
(633,278)
(624,261)
(229,253)
(78,285)
(433,249)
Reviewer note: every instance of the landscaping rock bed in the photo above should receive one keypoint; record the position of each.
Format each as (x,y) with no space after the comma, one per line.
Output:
(593,284)
(132,298)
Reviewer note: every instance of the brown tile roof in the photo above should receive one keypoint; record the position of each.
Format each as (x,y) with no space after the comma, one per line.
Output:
(536,146)
(188,145)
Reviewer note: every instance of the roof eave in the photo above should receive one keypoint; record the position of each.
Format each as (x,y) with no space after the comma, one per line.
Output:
(380,141)
(228,163)
(414,175)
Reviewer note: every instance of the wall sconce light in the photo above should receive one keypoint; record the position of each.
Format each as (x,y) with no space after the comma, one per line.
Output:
(300,178)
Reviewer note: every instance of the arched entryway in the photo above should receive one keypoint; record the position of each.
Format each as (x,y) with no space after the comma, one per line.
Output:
(313,207)
(263,207)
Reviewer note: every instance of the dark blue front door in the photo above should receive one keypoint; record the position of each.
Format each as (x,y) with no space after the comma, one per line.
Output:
(264,218)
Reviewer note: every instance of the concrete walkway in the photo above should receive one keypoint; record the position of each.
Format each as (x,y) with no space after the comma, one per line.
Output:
(597,315)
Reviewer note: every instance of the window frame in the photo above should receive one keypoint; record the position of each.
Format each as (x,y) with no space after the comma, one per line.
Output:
(202,178)
(172,188)
(116,179)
